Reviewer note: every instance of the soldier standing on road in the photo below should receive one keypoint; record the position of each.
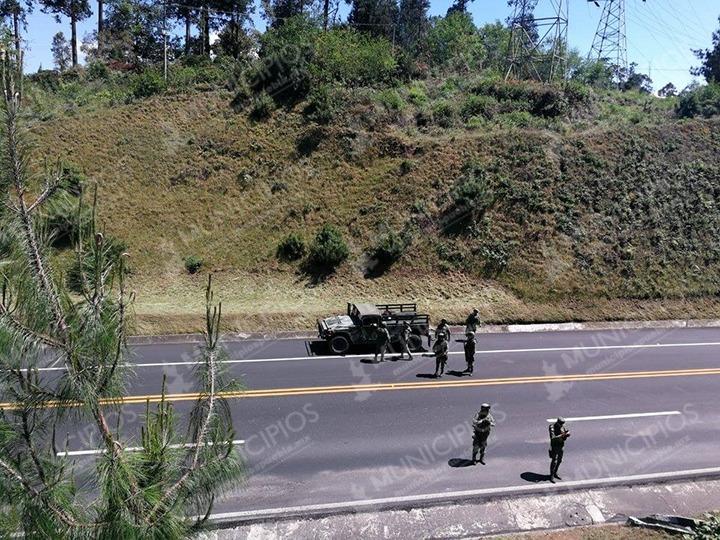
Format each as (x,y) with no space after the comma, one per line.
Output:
(405,334)
(441,354)
(443,328)
(382,339)
(482,425)
(469,351)
(472,322)
(558,436)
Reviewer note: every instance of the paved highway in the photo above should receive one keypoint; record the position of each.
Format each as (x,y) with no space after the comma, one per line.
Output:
(323,430)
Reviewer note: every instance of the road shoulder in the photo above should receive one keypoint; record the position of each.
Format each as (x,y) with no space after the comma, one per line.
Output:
(494,516)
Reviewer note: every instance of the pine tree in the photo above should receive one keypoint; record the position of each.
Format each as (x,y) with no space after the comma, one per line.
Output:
(376,17)
(148,494)
(60,51)
(75,10)
(16,11)
(413,23)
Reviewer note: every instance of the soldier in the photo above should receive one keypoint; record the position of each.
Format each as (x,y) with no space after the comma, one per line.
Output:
(382,338)
(469,351)
(558,436)
(443,328)
(472,322)
(482,425)
(441,354)
(405,334)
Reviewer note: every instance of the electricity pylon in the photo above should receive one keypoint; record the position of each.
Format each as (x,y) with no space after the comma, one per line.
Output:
(610,41)
(538,45)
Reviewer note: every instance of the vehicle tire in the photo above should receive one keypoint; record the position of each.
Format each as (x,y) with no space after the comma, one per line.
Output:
(415,343)
(339,344)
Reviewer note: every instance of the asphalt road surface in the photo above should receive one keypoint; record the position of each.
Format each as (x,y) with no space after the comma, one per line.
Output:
(320,429)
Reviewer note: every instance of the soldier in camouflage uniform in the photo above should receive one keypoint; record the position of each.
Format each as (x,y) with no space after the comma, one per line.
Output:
(472,322)
(382,339)
(469,351)
(443,328)
(405,334)
(482,425)
(440,349)
(558,436)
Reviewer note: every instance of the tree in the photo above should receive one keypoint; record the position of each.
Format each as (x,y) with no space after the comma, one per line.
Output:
(16,11)
(376,17)
(413,23)
(151,493)
(60,51)
(495,38)
(277,12)
(75,10)
(454,43)
(710,68)
(458,6)
(631,79)
(668,90)
(231,17)
(184,10)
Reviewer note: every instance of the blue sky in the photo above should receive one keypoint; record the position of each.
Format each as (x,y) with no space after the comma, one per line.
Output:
(661,33)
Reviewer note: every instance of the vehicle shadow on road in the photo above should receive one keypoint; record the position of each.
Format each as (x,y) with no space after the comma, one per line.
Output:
(535,477)
(460,462)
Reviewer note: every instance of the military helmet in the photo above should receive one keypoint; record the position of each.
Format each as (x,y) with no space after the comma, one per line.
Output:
(560,420)
(475,311)
(443,321)
(485,407)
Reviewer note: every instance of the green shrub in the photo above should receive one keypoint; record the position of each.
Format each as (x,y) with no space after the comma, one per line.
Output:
(701,101)
(328,250)
(97,71)
(496,255)
(262,107)
(193,264)
(453,42)
(390,99)
(148,83)
(389,247)
(64,221)
(323,105)
(417,95)
(474,105)
(352,58)
(472,196)
(291,248)
(444,113)
(515,119)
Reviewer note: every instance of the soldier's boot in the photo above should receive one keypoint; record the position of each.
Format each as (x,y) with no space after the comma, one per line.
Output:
(474,457)
(553,471)
(482,457)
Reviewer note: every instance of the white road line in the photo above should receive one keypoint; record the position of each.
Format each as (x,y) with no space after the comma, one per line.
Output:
(616,416)
(129,449)
(351,356)
(447,496)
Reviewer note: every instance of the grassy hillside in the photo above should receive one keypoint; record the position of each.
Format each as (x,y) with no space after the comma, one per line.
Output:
(608,208)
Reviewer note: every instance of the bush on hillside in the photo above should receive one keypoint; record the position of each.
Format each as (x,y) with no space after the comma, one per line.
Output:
(388,248)
(323,105)
(454,43)
(261,107)
(701,101)
(64,221)
(471,196)
(148,83)
(193,264)
(352,58)
(291,248)
(328,250)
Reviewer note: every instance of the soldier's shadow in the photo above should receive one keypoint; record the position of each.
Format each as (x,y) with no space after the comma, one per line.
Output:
(535,477)
(460,462)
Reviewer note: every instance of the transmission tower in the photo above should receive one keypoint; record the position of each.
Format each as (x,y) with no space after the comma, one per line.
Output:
(610,42)
(538,45)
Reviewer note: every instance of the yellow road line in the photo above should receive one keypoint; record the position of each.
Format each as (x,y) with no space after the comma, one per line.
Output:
(379,387)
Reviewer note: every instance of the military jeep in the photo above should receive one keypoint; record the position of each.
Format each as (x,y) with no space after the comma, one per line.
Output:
(359,326)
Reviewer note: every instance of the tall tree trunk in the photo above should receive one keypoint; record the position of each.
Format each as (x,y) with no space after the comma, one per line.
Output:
(101,23)
(73,38)
(326,14)
(206,32)
(187,34)
(201,29)
(16,30)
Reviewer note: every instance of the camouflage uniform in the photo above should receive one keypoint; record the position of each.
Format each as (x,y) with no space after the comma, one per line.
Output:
(441,354)
(469,352)
(482,425)
(443,328)
(382,339)
(558,435)
(472,322)
(405,335)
